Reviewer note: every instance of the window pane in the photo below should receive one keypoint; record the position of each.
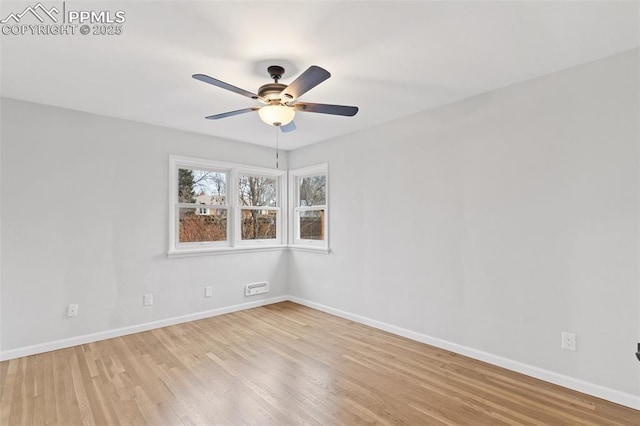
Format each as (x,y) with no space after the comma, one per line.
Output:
(258,224)
(258,191)
(311,225)
(313,191)
(202,224)
(202,187)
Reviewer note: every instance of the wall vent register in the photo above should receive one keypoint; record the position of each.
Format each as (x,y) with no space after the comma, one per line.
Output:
(256,288)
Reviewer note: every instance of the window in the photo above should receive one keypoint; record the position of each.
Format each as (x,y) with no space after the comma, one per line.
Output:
(258,207)
(309,207)
(221,206)
(196,187)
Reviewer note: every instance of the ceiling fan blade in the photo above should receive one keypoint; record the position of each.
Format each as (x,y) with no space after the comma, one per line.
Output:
(309,79)
(230,113)
(348,111)
(288,127)
(223,85)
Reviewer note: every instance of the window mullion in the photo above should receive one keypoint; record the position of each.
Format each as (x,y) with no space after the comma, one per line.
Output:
(235,211)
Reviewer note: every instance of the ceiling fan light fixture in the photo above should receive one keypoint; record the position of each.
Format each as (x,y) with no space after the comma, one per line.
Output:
(280,100)
(276,115)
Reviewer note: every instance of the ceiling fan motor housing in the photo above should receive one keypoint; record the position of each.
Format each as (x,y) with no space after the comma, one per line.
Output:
(271,91)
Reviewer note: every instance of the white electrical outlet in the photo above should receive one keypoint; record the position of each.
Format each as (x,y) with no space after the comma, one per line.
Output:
(568,341)
(208,291)
(147,300)
(72,311)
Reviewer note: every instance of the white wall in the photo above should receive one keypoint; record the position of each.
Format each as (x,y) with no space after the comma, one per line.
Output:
(496,223)
(84,220)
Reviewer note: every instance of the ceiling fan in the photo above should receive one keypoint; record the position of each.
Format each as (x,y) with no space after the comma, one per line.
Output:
(281,101)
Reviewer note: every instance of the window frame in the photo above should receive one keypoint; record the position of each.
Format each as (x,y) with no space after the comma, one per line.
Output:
(234,241)
(295,209)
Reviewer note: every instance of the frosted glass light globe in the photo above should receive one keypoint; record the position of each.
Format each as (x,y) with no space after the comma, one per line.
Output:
(276,115)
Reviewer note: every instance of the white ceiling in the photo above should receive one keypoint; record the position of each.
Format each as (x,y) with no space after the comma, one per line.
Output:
(391,59)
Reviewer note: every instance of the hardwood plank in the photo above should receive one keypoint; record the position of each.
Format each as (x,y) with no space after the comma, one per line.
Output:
(281,364)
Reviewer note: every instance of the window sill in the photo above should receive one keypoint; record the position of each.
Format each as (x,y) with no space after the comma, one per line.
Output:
(222,250)
(311,249)
(171,254)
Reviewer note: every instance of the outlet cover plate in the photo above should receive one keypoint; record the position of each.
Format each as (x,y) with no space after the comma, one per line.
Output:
(72,310)
(568,341)
(147,300)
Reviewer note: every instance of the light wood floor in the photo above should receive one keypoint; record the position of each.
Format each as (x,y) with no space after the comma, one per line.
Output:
(280,364)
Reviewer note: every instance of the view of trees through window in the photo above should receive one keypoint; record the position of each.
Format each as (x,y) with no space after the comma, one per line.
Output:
(202,187)
(207,220)
(312,193)
(218,207)
(256,192)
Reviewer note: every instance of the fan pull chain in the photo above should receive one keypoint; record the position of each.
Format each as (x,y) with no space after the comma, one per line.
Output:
(277,148)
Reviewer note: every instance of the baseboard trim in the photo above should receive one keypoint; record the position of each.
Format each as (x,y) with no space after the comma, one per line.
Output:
(109,334)
(592,389)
